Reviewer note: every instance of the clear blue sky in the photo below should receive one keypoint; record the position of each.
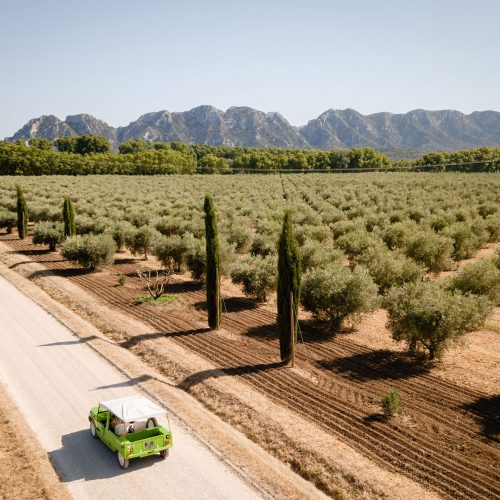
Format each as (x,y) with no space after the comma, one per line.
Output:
(118,59)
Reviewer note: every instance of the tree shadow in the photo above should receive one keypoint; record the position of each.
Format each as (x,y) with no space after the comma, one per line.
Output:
(125,261)
(320,331)
(64,273)
(70,342)
(375,365)
(199,377)
(137,339)
(374,417)
(183,287)
(127,383)
(237,304)
(36,251)
(83,458)
(487,410)
(269,331)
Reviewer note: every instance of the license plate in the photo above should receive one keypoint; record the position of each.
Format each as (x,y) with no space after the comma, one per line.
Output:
(148,446)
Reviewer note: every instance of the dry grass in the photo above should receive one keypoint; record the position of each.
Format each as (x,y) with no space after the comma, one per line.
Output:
(25,470)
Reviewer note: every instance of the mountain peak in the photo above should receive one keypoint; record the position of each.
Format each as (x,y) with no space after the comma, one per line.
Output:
(419,129)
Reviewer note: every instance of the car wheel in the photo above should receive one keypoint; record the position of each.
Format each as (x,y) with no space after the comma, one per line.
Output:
(122,460)
(164,453)
(151,423)
(92,430)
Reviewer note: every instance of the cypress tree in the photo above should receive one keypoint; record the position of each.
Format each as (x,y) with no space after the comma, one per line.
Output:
(69,217)
(22,213)
(288,285)
(212,265)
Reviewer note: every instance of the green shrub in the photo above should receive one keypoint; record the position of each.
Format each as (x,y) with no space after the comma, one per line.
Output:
(7,220)
(122,279)
(240,236)
(263,245)
(90,251)
(314,254)
(496,258)
(431,250)
(333,292)
(391,403)
(91,225)
(257,275)
(357,243)
(390,268)
(428,318)
(119,232)
(142,240)
(397,235)
(465,242)
(480,278)
(48,233)
(196,258)
(171,251)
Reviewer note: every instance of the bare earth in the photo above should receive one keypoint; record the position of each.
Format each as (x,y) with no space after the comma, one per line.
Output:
(148,359)
(25,471)
(443,440)
(55,379)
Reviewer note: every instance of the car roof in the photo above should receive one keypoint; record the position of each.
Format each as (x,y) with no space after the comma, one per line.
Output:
(132,408)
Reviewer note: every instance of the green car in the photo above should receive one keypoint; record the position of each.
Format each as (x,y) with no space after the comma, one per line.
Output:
(128,426)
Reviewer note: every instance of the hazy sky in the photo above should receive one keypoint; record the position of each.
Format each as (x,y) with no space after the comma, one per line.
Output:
(118,59)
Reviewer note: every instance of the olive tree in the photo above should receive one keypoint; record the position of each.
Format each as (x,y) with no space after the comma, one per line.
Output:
(334,292)
(90,251)
(48,233)
(430,249)
(480,278)
(142,240)
(7,220)
(427,317)
(257,275)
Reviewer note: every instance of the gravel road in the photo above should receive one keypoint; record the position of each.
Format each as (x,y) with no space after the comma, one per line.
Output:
(55,379)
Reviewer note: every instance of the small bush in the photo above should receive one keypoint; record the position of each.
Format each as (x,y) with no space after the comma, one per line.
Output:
(332,293)
(398,235)
(391,403)
(263,245)
(7,220)
(357,243)
(171,251)
(142,240)
(480,278)
(119,232)
(390,268)
(257,275)
(90,251)
(428,317)
(496,258)
(240,236)
(465,242)
(431,250)
(48,233)
(122,279)
(314,254)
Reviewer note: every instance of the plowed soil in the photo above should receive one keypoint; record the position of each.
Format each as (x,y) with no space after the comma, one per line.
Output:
(446,437)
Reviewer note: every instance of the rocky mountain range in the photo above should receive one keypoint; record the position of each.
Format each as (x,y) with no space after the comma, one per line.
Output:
(419,130)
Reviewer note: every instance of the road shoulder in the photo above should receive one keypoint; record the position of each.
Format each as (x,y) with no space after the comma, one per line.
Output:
(25,469)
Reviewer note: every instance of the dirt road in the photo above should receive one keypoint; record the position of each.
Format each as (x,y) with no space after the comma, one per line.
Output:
(55,379)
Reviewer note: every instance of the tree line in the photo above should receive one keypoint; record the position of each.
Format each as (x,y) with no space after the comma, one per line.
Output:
(92,154)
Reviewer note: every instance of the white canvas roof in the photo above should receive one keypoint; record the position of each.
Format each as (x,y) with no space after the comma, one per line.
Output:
(133,408)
